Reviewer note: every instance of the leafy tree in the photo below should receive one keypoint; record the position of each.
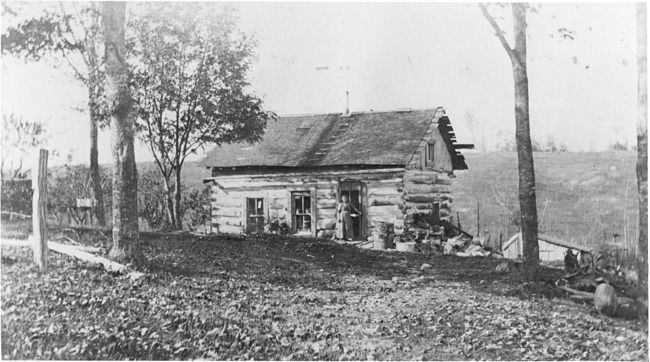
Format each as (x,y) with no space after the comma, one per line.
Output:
(71,32)
(527,197)
(196,207)
(189,79)
(19,137)
(126,238)
(642,147)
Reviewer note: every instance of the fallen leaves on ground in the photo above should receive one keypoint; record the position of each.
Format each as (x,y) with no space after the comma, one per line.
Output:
(275,298)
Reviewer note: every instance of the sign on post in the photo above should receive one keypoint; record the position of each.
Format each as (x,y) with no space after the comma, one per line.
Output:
(39,205)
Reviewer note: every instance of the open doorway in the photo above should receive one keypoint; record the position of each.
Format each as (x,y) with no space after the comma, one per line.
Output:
(352,189)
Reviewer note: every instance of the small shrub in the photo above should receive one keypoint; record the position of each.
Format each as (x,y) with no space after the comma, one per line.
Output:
(196,207)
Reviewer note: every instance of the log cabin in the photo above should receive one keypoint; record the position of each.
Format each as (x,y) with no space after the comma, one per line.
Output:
(392,166)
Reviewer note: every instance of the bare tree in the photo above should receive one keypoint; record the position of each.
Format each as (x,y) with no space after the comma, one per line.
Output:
(126,240)
(642,146)
(527,197)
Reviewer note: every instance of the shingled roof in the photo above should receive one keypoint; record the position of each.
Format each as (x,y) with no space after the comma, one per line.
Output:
(366,138)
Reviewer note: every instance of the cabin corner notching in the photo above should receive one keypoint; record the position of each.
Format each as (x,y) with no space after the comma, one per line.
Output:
(390,165)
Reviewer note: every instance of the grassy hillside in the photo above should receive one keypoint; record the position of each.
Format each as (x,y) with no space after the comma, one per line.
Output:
(584,197)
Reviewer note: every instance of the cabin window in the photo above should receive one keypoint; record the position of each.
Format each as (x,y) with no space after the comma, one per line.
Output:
(254,215)
(301,203)
(430,154)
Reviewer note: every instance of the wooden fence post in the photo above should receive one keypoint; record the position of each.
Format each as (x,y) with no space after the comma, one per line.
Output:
(39,205)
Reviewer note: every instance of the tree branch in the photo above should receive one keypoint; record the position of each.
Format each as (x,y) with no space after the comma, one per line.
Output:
(499,33)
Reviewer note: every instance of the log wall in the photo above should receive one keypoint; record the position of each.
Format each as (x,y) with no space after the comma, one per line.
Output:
(391,196)
(423,188)
(381,193)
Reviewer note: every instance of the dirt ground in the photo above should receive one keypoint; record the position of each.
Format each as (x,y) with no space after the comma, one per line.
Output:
(279,298)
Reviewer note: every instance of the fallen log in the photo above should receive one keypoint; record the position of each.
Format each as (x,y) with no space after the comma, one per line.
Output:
(78,252)
(29,244)
(85,256)
(578,294)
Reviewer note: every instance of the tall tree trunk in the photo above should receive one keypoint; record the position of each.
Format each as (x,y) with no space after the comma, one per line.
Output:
(126,242)
(527,197)
(94,84)
(95,176)
(169,203)
(642,148)
(177,199)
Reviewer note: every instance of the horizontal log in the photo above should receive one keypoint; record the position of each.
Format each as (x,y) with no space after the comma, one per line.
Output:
(274,180)
(382,191)
(228,202)
(385,203)
(87,257)
(229,229)
(231,222)
(326,203)
(424,207)
(383,183)
(229,215)
(412,188)
(420,198)
(326,194)
(382,218)
(373,210)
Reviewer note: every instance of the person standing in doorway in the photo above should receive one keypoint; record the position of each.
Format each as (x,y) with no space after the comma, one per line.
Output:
(344,219)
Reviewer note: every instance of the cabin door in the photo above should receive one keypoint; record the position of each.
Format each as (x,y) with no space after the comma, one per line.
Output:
(352,189)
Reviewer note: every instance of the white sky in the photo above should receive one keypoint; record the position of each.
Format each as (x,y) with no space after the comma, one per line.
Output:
(402,55)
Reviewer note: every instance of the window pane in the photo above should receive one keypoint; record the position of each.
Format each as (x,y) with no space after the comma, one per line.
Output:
(260,207)
(297,204)
(307,208)
(250,206)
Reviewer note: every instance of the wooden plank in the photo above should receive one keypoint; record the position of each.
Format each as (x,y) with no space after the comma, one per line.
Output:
(566,244)
(510,241)
(39,209)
